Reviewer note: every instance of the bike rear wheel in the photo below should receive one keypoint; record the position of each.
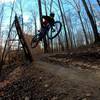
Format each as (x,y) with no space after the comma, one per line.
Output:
(54,30)
(35,40)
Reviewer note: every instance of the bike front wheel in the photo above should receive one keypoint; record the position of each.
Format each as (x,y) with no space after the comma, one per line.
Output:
(35,40)
(54,30)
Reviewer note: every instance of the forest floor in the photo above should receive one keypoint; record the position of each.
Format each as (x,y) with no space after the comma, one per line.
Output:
(70,75)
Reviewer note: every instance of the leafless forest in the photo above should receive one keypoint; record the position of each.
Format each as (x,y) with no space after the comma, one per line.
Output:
(64,68)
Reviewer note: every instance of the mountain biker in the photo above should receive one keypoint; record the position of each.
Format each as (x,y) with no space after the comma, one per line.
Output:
(47,22)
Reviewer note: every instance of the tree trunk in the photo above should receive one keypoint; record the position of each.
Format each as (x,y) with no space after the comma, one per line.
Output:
(51,41)
(35,25)
(21,9)
(51,5)
(98,1)
(69,32)
(79,14)
(60,44)
(67,46)
(92,12)
(45,4)
(83,28)
(93,23)
(1,34)
(40,13)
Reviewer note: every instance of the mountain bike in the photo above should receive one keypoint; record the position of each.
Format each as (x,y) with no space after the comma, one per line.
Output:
(50,31)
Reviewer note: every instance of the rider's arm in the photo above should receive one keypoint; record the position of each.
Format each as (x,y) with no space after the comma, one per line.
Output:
(49,19)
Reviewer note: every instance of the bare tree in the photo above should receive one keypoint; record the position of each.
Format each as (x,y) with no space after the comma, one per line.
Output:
(45,4)
(51,41)
(91,9)
(63,23)
(21,9)
(79,13)
(8,37)
(98,1)
(93,23)
(69,38)
(1,33)
(51,3)
(40,13)
(60,43)
(1,19)
(34,18)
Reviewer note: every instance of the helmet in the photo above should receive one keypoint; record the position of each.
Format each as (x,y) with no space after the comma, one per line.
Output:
(52,14)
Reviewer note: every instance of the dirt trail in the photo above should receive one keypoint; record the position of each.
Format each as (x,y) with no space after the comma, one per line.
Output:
(52,81)
(75,75)
(79,84)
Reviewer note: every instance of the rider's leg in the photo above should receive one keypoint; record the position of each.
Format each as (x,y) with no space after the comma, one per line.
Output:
(43,32)
(40,36)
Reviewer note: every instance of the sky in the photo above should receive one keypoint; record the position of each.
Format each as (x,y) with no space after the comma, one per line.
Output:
(6,1)
(31,6)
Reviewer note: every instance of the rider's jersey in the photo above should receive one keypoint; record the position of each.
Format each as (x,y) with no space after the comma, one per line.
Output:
(48,19)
